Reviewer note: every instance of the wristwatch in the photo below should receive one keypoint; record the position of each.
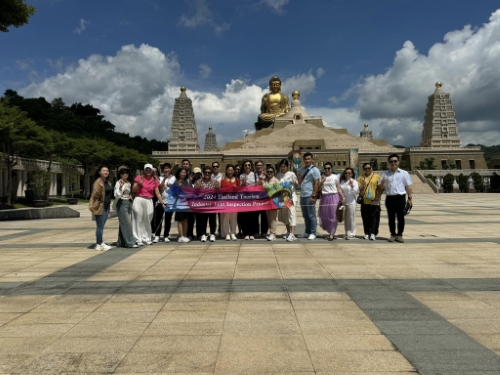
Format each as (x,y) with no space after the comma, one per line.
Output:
(409,198)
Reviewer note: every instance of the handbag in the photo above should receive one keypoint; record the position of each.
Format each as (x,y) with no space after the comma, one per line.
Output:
(360,198)
(340,212)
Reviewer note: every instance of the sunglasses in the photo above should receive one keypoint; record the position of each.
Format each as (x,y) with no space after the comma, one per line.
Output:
(247,165)
(215,166)
(327,169)
(148,169)
(367,168)
(207,172)
(393,161)
(270,171)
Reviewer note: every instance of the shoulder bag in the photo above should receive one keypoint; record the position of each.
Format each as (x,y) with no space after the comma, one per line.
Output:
(360,199)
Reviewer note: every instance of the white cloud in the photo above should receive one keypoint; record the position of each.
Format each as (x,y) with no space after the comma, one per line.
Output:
(320,72)
(201,15)
(276,5)
(205,71)
(81,27)
(467,64)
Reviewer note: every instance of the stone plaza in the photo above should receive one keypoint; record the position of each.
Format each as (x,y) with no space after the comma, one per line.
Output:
(429,306)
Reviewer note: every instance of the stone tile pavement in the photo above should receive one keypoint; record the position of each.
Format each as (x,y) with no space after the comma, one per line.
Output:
(429,306)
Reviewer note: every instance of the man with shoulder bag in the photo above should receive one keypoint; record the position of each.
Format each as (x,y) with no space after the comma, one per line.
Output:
(309,178)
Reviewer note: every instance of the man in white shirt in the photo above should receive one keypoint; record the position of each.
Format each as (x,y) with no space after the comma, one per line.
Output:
(397,185)
(166,181)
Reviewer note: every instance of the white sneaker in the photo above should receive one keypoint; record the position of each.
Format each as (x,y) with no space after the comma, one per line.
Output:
(247,238)
(186,240)
(203,238)
(305,235)
(135,246)
(366,237)
(233,237)
(98,247)
(311,237)
(166,239)
(156,239)
(105,247)
(228,238)
(140,244)
(149,243)
(252,237)
(180,239)
(271,237)
(290,238)
(212,238)
(286,235)
(372,237)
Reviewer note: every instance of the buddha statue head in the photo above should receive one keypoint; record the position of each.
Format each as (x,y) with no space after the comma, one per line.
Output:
(275,84)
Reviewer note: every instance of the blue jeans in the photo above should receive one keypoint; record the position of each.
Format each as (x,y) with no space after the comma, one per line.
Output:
(100,220)
(309,215)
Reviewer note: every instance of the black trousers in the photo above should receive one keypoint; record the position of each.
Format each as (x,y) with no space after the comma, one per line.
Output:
(371,218)
(264,227)
(190,228)
(248,220)
(395,205)
(201,224)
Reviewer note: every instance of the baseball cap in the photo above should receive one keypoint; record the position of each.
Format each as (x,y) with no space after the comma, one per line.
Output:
(196,170)
(148,166)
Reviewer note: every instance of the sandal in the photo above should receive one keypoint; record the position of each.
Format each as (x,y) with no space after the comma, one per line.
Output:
(331,238)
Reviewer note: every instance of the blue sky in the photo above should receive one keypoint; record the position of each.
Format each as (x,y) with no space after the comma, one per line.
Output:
(334,51)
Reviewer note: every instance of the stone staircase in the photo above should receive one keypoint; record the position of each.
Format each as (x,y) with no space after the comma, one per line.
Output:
(420,187)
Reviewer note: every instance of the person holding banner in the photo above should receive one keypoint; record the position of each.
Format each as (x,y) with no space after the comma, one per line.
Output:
(144,188)
(207,182)
(182,179)
(229,219)
(350,188)
(165,182)
(271,215)
(264,226)
(330,192)
(288,215)
(248,219)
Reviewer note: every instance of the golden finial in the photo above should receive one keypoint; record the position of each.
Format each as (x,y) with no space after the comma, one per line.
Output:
(296,94)
(366,126)
(183,89)
(210,128)
(438,84)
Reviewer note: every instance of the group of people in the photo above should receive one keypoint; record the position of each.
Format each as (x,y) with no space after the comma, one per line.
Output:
(140,205)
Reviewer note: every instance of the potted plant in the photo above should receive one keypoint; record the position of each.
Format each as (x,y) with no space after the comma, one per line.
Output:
(73,188)
(39,184)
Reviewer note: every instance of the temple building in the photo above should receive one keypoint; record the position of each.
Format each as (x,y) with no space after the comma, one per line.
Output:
(284,130)
(183,133)
(365,133)
(440,125)
(210,141)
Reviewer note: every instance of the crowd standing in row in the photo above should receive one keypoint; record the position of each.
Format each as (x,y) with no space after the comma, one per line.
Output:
(141,206)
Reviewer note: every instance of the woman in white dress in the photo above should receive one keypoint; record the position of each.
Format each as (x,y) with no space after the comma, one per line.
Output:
(350,188)
(288,215)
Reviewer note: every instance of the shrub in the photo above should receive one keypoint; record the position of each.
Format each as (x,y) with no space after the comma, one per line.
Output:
(448,181)
(463,184)
(478,182)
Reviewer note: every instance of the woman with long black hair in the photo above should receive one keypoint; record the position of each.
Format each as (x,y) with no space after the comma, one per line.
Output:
(99,205)
(182,179)
(350,189)
(288,215)
(123,198)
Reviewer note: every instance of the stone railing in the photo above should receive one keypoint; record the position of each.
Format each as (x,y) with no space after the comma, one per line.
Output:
(428,181)
(449,148)
(457,172)
(43,165)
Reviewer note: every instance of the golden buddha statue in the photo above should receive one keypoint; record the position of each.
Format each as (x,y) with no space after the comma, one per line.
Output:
(274,104)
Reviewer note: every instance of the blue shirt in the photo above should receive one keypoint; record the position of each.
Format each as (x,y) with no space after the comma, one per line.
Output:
(395,183)
(307,185)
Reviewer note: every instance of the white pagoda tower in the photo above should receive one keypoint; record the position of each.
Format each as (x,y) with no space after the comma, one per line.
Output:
(440,125)
(183,133)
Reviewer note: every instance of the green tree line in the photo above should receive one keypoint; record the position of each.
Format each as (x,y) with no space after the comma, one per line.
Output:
(33,128)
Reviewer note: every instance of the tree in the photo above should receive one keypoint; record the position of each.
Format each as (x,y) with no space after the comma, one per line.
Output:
(383,166)
(427,164)
(16,133)
(495,182)
(463,183)
(14,13)
(448,181)
(478,181)
(449,164)
(404,165)
(374,163)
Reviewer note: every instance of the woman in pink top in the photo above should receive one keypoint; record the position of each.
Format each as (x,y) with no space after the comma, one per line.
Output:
(145,187)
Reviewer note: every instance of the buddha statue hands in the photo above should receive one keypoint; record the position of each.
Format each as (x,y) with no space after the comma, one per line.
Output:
(274,104)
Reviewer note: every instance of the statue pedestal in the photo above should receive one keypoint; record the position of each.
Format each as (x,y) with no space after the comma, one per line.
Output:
(472,190)
(263,125)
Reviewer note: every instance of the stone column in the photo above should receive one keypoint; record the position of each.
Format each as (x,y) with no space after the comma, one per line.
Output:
(53,184)
(64,182)
(86,185)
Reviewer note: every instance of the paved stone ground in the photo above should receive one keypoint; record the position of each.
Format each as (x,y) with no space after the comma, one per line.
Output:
(429,306)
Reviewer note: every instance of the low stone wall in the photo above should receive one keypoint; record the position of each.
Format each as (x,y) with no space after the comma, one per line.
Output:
(60,212)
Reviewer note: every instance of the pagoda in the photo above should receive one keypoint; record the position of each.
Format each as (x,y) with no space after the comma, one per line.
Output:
(183,133)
